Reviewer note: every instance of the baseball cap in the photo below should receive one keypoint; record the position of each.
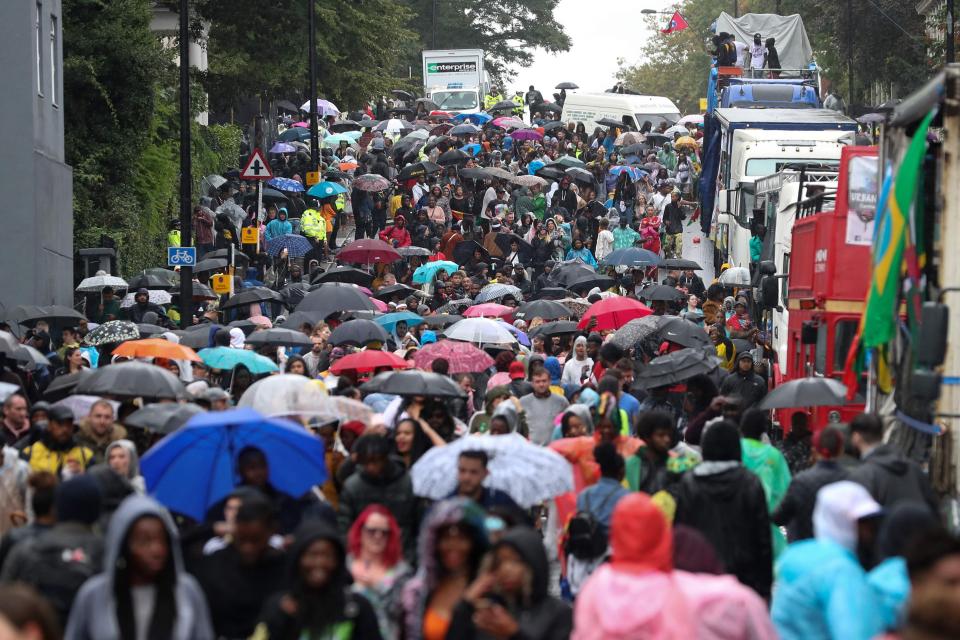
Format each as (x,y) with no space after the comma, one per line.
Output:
(517,371)
(60,413)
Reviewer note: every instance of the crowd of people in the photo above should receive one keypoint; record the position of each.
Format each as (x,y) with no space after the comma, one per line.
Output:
(500,284)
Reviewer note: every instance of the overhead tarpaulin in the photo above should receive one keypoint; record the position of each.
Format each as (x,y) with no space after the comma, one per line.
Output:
(792,43)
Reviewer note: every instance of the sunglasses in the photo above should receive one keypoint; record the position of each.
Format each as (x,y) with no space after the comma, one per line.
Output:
(376,533)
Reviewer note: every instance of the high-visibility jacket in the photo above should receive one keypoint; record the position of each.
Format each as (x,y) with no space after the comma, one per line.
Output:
(518,100)
(491,99)
(313,225)
(42,458)
(340,202)
(173,238)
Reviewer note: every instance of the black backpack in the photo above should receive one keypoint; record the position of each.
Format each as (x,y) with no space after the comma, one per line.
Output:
(586,536)
(58,572)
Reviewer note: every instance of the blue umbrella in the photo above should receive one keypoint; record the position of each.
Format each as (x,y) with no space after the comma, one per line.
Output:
(522,338)
(472,149)
(475,118)
(226,358)
(195,467)
(535,166)
(326,190)
(426,273)
(285,184)
(283,147)
(296,246)
(389,320)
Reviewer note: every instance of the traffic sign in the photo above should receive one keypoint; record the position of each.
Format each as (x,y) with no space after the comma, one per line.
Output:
(181,256)
(257,167)
(249,235)
(313,177)
(220,283)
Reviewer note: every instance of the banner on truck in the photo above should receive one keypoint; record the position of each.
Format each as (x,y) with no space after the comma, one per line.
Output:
(861,199)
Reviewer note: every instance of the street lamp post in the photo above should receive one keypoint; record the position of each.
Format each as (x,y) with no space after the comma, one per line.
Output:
(186,170)
(949,31)
(312,61)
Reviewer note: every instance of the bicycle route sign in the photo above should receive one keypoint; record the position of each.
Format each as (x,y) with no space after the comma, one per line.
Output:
(181,256)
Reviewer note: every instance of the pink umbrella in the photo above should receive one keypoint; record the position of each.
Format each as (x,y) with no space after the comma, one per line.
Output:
(508,122)
(497,379)
(526,134)
(303,125)
(488,310)
(462,356)
(380,305)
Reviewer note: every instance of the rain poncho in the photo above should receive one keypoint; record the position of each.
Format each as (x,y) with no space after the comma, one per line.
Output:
(278,227)
(768,464)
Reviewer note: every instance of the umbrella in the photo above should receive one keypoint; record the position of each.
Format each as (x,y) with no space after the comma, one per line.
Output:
(550,172)
(676,367)
(132,380)
(497,291)
(226,358)
(357,332)
(163,417)
(111,332)
(567,162)
(54,314)
(99,281)
(555,328)
(389,320)
(279,337)
(30,357)
(480,331)
(463,252)
(156,296)
(371,182)
(413,382)
(872,118)
(437,139)
(613,313)
(326,189)
(550,126)
(387,293)
(344,125)
(418,169)
(394,126)
(324,108)
(294,134)
(508,122)
(287,394)
(656,138)
(806,392)
(462,357)
(544,309)
(369,360)
(529,181)
(452,157)
(198,336)
(525,249)
(148,330)
(201,292)
(455,306)
(680,263)
(554,293)
(567,86)
(332,142)
(633,150)
(474,173)
(154,281)
(253,295)
(488,310)
(368,251)
(581,176)
(195,467)
(569,273)
(611,123)
(210,264)
(695,118)
(465,129)
(350,275)
(585,283)
(503,105)
(497,172)
(80,405)
(628,138)
(296,245)
(442,320)
(526,134)
(475,118)
(660,293)
(632,257)
(283,147)
(527,473)
(294,293)
(333,297)
(155,348)
(285,184)
(736,276)
(64,385)
(425,274)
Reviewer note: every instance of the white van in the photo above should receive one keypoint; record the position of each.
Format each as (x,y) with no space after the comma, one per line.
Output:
(627,108)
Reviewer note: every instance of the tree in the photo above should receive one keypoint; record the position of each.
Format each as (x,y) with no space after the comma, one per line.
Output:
(507,30)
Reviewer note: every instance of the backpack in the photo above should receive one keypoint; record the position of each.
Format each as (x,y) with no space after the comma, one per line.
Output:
(58,572)
(586,537)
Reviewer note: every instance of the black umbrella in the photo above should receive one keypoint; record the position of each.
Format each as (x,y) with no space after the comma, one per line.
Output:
(332,297)
(358,332)
(247,326)
(676,367)
(413,250)
(198,336)
(633,149)
(414,382)
(525,250)
(279,337)
(658,292)
(586,283)
(656,138)
(503,105)
(679,331)
(294,293)
(806,392)
(453,156)
(567,85)
(634,257)
(555,328)
(418,169)
(112,332)
(200,292)
(582,177)
(350,275)
(455,306)
(333,174)
(474,173)
(211,264)
(545,309)
(436,141)
(610,122)
(286,105)
(269,195)
(253,295)
(163,417)
(442,321)
(344,125)
(387,293)
(53,314)
(553,124)
(552,293)
(360,315)
(62,386)
(132,380)
(152,281)
(463,252)
(551,107)
(150,330)
(298,318)
(465,129)
(567,272)
(550,173)
(680,263)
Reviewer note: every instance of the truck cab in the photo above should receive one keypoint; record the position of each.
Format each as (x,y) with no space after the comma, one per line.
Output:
(455,98)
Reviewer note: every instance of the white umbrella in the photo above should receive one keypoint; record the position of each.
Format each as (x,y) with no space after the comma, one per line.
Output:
(393,125)
(480,331)
(527,473)
(156,296)
(289,394)
(7,390)
(324,108)
(677,128)
(96,283)
(80,405)
(695,118)
(736,276)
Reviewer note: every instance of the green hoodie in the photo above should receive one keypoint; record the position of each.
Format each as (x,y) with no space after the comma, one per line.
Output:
(767,463)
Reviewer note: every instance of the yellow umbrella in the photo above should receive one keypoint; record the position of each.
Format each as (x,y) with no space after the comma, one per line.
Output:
(685,141)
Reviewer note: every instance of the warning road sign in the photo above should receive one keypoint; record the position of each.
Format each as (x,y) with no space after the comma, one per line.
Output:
(257,167)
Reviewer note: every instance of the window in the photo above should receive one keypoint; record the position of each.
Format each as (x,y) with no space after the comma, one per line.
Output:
(54,61)
(39,37)
(844,333)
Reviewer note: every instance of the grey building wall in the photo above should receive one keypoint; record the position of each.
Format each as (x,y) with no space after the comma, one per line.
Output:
(36,185)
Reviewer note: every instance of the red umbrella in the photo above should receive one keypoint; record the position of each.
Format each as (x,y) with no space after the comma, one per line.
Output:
(368,251)
(369,360)
(488,310)
(613,313)
(462,356)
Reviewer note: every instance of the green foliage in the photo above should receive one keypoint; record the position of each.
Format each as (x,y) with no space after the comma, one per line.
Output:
(508,30)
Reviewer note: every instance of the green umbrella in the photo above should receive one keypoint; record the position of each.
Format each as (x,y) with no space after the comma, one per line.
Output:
(326,190)
(226,358)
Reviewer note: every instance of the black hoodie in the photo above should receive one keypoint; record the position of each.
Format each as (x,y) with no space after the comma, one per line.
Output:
(393,489)
(891,477)
(540,616)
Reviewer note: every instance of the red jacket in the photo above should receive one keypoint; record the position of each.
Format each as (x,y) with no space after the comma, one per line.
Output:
(396,236)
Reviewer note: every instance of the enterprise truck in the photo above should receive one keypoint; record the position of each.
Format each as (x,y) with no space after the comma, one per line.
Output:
(455,79)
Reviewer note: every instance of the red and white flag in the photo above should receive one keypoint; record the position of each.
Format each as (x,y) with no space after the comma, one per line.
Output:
(677,23)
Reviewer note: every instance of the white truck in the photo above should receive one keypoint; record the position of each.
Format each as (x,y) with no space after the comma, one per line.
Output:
(455,79)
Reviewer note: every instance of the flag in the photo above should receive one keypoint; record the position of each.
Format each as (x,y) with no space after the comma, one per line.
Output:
(677,23)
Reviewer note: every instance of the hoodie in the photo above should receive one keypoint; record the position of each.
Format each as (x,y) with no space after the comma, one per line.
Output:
(93,615)
(133,474)
(538,615)
(891,477)
(393,489)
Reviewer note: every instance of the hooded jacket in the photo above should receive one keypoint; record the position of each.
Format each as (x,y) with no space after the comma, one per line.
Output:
(93,616)
(539,615)
(393,489)
(277,227)
(891,477)
(795,511)
(133,475)
(396,233)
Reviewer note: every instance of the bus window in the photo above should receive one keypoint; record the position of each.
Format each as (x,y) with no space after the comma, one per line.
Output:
(844,331)
(785,280)
(820,358)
